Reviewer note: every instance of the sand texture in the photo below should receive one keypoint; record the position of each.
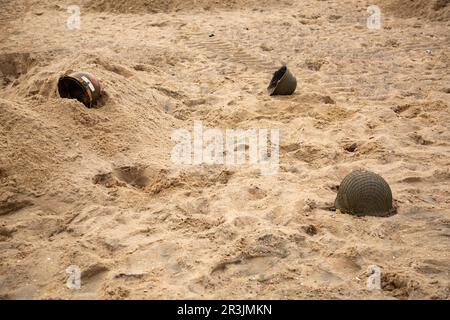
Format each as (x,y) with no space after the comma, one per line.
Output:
(96,188)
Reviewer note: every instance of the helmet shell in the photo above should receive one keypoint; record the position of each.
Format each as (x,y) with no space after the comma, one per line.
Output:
(283,82)
(82,86)
(363,192)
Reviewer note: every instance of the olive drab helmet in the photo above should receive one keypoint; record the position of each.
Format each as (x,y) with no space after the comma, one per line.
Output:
(283,82)
(363,192)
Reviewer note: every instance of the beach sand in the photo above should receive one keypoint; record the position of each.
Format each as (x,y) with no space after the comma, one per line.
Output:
(96,188)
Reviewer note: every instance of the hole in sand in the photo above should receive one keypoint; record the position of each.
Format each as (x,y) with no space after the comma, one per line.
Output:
(351,147)
(13,65)
(134,176)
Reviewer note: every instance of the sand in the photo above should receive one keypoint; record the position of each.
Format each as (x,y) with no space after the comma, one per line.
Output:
(96,188)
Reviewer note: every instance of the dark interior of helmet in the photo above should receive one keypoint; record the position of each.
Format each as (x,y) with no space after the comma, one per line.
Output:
(276,77)
(71,89)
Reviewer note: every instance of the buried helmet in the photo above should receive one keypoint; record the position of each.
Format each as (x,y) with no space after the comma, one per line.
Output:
(82,86)
(364,193)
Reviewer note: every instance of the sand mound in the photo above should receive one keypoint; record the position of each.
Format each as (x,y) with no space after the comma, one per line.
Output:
(429,9)
(37,127)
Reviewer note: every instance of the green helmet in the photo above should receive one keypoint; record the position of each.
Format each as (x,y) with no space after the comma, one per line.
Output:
(283,82)
(364,193)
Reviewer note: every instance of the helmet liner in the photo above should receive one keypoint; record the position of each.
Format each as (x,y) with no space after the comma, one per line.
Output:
(81,86)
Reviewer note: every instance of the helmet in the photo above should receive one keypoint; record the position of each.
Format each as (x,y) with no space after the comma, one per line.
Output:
(283,82)
(82,86)
(364,193)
